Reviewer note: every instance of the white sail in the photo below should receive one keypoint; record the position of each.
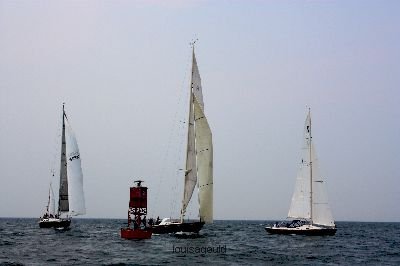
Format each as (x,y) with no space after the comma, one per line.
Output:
(75,176)
(196,82)
(191,167)
(52,204)
(199,151)
(300,205)
(301,200)
(310,199)
(204,150)
(190,170)
(321,211)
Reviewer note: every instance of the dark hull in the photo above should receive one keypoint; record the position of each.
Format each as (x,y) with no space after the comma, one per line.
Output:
(307,232)
(193,227)
(56,223)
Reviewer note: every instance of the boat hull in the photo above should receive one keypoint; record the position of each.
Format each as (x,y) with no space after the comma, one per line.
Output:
(54,223)
(296,231)
(129,233)
(193,227)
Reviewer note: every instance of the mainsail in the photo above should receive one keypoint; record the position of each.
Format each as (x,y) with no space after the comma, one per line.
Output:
(309,200)
(63,205)
(199,151)
(190,170)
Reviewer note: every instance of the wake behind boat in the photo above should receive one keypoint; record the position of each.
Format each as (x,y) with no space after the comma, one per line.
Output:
(309,213)
(71,200)
(199,163)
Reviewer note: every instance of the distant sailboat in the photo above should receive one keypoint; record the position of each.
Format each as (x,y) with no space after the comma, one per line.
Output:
(199,163)
(71,200)
(49,216)
(309,213)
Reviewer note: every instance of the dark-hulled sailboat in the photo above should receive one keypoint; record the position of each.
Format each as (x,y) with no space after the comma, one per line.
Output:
(309,213)
(71,200)
(199,163)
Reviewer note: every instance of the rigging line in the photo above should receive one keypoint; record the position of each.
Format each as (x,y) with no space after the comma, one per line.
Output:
(171,133)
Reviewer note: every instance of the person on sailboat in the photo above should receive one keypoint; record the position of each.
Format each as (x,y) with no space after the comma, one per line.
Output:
(144,221)
(137,222)
(151,222)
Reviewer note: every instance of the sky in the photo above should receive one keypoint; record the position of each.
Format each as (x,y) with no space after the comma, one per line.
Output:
(122,68)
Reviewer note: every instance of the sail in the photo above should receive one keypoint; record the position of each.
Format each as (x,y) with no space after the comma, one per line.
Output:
(301,200)
(52,204)
(204,150)
(199,157)
(63,204)
(321,213)
(196,82)
(310,200)
(190,170)
(75,176)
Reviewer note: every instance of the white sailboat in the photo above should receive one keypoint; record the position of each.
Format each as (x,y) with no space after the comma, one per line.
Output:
(71,200)
(199,163)
(309,213)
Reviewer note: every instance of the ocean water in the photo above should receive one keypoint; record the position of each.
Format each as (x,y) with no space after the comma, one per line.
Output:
(98,242)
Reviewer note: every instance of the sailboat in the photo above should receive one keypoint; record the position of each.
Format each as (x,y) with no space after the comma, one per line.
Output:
(309,213)
(48,218)
(199,163)
(71,201)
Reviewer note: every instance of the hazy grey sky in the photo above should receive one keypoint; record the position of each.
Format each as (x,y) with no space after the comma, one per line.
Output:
(122,68)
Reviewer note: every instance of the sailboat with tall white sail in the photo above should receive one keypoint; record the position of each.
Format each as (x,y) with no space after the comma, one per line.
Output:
(71,200)
(309,213)
(199,163)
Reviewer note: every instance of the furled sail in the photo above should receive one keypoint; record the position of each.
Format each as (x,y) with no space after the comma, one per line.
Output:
(63,204)
(75,176)
(204,150)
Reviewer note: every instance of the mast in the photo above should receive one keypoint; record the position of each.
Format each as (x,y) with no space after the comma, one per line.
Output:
(311,172)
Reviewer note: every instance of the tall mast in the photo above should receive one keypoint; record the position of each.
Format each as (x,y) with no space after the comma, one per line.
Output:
(311,172)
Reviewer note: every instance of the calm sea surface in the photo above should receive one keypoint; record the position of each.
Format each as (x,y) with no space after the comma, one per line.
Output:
(97,242)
